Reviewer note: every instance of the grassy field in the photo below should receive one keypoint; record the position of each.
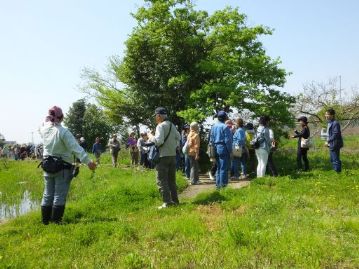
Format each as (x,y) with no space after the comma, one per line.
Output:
(298,220)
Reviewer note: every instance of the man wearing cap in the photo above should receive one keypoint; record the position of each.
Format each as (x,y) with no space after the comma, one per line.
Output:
(335,140)
(221,138)
(302,150)
(83,143)
(166,168)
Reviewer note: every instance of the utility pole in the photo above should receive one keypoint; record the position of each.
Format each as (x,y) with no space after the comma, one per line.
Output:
(340,88)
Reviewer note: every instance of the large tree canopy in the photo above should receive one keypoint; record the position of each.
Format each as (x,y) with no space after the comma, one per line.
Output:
(194,64)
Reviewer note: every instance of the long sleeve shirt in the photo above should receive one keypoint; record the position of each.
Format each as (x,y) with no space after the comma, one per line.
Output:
(335,139)
(239,137)
(58,141)
(193,141)
(304,133)
(96,148)
(169,147)
(131,141)
(114,145)
(141,144)
(221,134)
(263,137)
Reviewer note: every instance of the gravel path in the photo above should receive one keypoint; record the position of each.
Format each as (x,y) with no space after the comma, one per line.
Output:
(207,185)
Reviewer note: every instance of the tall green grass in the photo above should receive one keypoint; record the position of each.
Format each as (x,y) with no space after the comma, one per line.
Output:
(298,220)
(16,177)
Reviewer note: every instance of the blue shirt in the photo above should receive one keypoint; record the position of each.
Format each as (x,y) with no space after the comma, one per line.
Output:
(239,137)
(96,148)
(220,134)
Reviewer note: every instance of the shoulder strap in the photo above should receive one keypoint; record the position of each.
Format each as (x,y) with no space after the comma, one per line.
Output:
(260,134)
(166,136)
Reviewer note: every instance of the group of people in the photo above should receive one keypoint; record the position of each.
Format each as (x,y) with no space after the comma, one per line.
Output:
(229,150)
(137,149)
(21,152)
(230,147)
(233,146)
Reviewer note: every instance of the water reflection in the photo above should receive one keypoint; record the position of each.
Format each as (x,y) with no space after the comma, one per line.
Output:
(25,205)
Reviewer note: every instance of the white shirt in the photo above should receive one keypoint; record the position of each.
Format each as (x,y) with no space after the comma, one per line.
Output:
(58,141)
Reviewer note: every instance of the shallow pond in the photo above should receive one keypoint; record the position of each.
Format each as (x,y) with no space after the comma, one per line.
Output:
(26,204)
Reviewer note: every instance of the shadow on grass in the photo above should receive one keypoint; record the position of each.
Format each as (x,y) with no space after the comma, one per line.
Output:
(209,198)
(73,216)
(319,160)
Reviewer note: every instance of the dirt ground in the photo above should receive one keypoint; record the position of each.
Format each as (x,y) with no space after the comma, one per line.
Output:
(207,185)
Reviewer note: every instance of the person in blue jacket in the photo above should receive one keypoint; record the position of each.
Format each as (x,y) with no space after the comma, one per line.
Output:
(334,140)
(239,140)
(97,150)
(221,138)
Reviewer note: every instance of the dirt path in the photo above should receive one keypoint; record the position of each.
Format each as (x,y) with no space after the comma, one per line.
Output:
(207,185)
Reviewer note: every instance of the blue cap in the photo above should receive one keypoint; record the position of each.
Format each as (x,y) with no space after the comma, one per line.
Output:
(221,114)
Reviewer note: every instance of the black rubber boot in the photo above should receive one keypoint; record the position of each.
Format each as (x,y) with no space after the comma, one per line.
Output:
(46,214)
(57,213)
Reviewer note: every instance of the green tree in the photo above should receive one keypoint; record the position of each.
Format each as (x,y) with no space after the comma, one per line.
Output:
(74,119)
(194,64)
(97,124)
(89,121)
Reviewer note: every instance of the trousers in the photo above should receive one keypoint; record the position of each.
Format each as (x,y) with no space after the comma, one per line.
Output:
(166,179)
(57,186)
(335,160)
(262,157)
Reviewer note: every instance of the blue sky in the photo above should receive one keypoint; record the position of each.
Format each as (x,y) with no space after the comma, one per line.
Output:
(45,44)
